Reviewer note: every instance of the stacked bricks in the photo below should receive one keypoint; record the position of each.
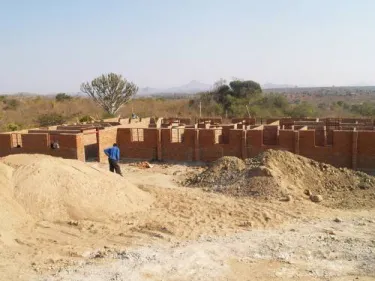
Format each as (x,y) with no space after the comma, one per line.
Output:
(340,142)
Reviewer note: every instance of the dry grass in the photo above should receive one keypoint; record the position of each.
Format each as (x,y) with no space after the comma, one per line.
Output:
(160,107)
(27,110)
(26,113)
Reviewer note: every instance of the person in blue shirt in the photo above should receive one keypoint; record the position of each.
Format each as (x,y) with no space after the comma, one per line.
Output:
(113,154)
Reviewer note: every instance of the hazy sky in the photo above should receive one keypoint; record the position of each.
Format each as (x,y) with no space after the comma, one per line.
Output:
(52,46)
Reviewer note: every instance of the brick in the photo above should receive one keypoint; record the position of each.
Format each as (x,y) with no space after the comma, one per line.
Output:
(340,142)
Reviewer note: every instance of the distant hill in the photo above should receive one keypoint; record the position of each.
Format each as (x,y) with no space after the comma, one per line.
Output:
(277,86)
(192,87)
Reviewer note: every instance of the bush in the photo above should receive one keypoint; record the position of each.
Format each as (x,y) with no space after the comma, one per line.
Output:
(50,119)
(366,109)
(107,115)
(86,118)
(13,127)
(303,110)
(11,104)
(62,97)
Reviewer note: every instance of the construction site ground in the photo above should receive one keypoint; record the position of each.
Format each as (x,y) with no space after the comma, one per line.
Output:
(191,233)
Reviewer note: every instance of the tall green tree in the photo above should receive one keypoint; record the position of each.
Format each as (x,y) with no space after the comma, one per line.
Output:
(110,91)
(243,89)
(225,95)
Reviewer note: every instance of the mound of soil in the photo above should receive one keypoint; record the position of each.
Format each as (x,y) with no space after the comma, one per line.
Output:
(281,174)
(55,189)
(222,172)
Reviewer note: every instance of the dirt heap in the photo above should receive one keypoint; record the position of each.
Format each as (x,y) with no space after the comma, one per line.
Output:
(283,175)
(222,172)
(55,189)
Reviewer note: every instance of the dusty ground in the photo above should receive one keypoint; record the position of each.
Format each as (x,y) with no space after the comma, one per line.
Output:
(315,250)
(189,234)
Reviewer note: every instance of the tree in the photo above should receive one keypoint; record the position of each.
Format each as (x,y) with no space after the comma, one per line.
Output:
(62,97)
(219,83)
(110,91)
(242,89)
(226,95)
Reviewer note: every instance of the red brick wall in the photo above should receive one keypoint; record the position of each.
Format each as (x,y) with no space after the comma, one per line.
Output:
(206,137)
(343,149)
(320,137)
(286,140)
(54,132)
(90,141)
(71,146)
(178,151)
(211,153)
(234,147)
(106,138)
(339,154)
(35,143)
(146,149)
(270,135)
(80,147)
(89,137)
(254,142)
(225,133)
(366,150)
(254,137)
(5,144)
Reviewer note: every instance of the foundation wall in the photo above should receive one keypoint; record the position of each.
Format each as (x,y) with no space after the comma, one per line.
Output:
(350,144)
(71,146)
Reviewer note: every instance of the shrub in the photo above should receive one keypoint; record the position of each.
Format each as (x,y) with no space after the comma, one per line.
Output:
(62,97)
(13,127)
(107,115)
(50,119)
(86,118)
(11,104)
(303,110)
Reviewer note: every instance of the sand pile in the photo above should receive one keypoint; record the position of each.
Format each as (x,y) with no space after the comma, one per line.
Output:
(56,189)
(11,213)
(280,174)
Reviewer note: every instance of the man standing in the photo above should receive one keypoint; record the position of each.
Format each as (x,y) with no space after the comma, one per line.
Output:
(113,154)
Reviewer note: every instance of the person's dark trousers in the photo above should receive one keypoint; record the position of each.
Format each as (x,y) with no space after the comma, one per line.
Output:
(114,166)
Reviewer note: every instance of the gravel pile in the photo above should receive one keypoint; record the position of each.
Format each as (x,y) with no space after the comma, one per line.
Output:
(284,175)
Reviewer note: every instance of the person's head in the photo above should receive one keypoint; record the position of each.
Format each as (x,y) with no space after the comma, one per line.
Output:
(115,144)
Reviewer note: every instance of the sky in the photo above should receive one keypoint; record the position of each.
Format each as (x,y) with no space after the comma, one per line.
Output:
(51,46)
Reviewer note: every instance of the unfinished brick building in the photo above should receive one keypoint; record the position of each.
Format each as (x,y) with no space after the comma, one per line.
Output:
(340,142)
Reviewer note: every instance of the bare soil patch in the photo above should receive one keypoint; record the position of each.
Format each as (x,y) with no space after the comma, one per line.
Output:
(149,224)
